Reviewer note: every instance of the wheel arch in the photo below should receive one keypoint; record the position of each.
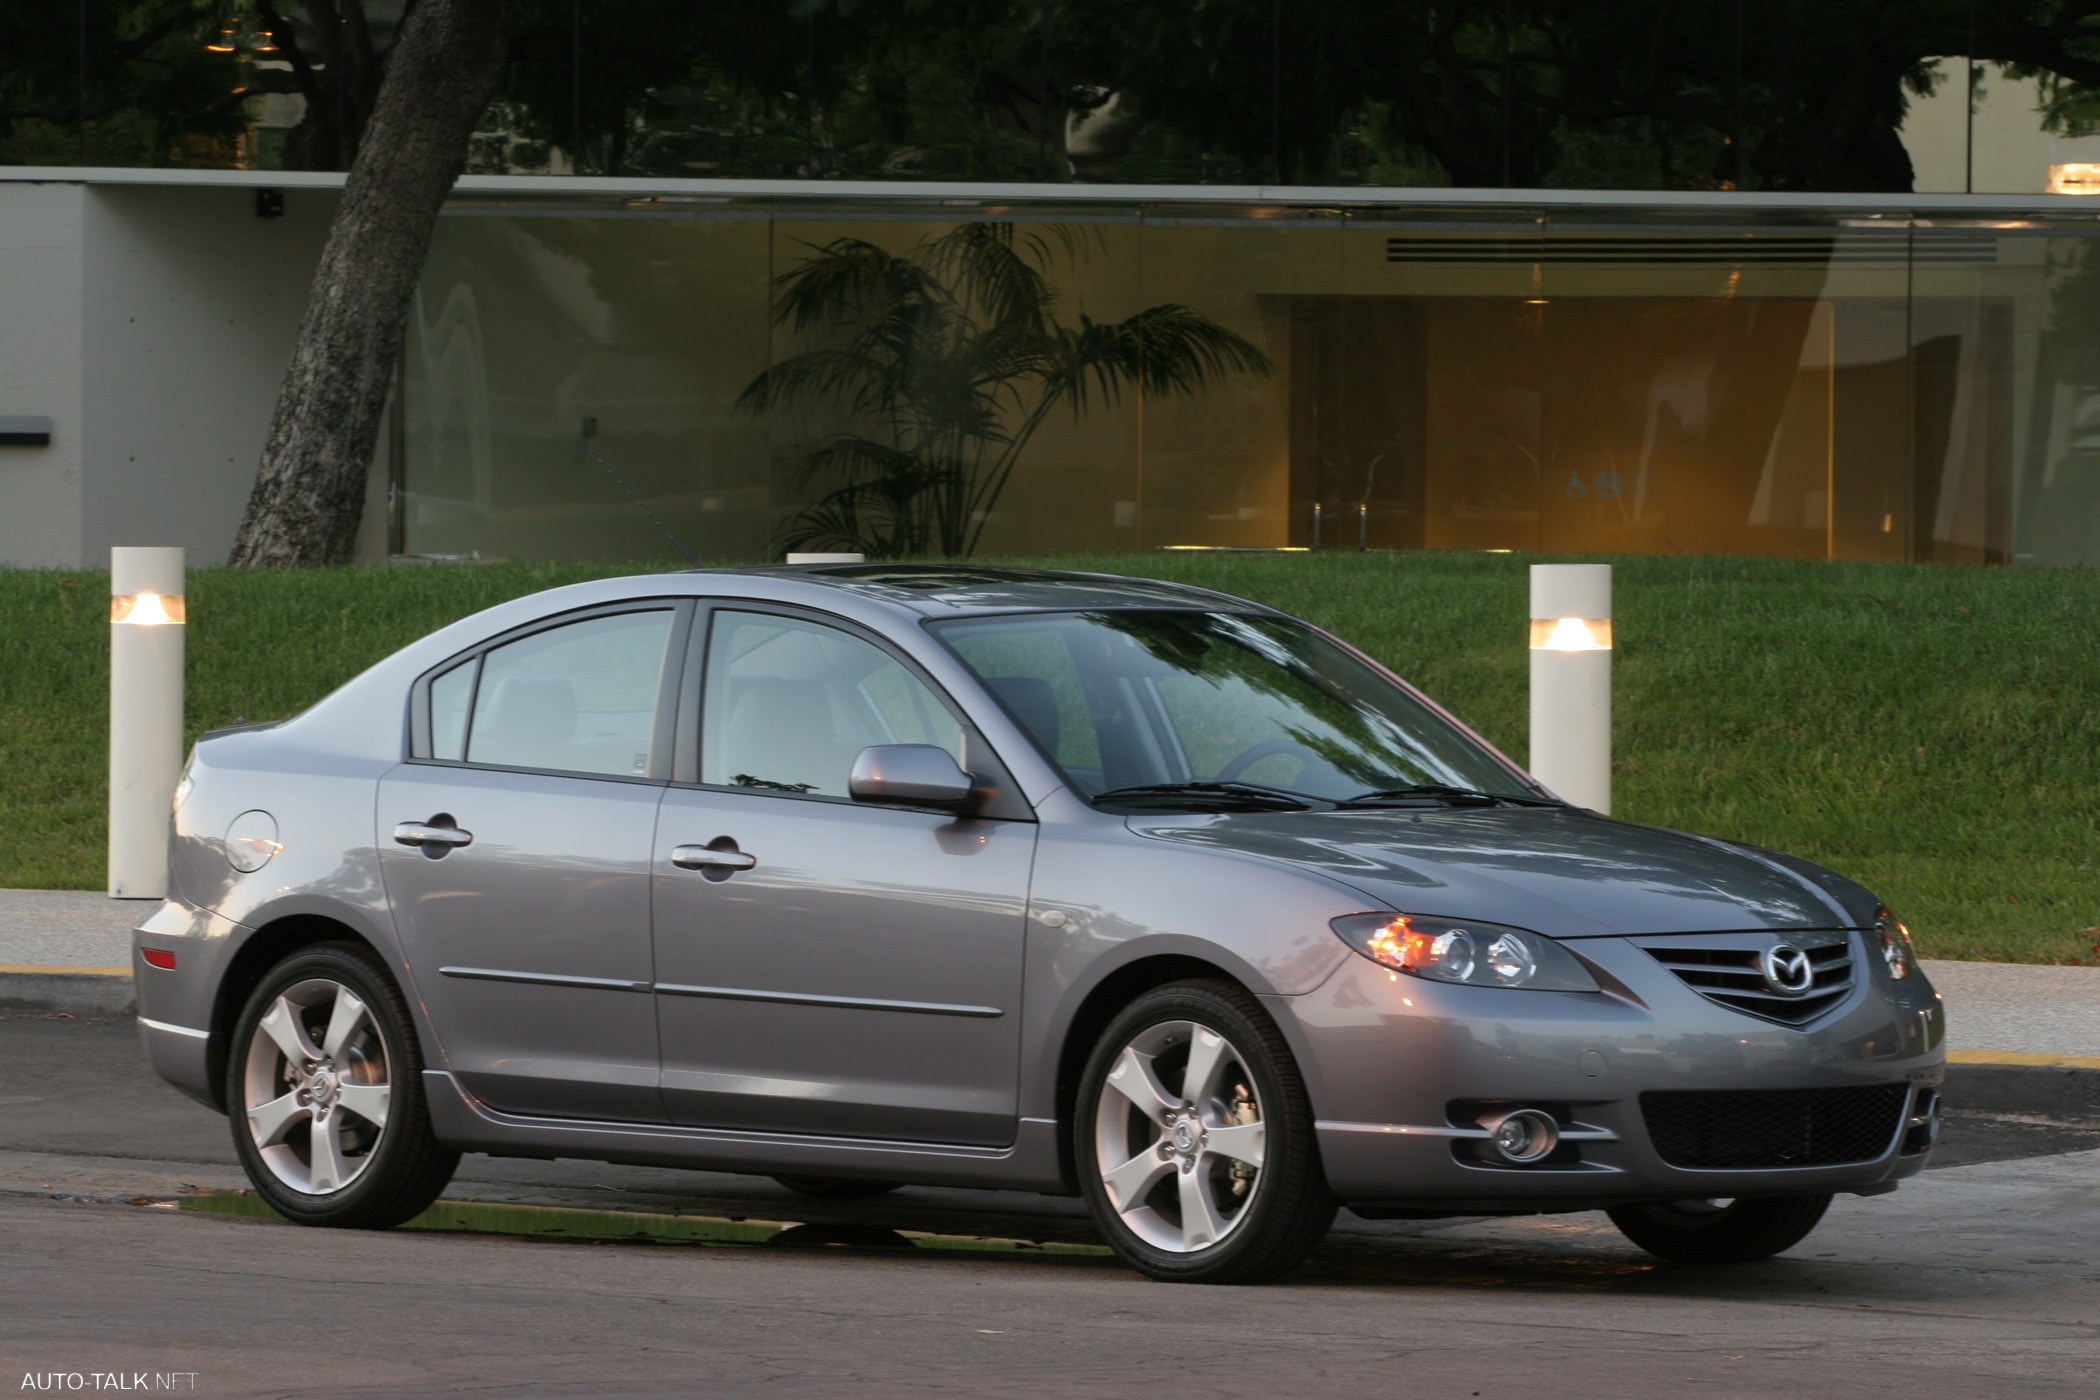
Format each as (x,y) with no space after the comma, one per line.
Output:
(1101,1005)
(251,962)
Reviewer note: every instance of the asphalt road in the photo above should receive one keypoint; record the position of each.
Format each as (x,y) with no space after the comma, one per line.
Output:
(1980,1279)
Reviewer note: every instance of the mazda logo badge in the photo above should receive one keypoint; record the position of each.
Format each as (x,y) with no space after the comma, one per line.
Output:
(1787,970)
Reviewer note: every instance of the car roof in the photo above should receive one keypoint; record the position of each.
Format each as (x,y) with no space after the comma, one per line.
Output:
(959,589)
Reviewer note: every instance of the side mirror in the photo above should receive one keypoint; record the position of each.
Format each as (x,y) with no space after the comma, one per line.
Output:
(912,775)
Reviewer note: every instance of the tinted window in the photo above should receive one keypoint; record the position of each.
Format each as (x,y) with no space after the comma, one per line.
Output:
(580,698)
(790,705)
(1122,699)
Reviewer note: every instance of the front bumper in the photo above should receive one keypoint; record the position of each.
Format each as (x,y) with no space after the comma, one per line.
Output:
(1404,1072)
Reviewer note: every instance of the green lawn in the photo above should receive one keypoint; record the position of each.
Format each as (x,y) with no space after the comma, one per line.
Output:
(1933,731)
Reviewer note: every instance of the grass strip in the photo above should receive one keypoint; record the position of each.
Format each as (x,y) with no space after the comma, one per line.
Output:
(1931,730)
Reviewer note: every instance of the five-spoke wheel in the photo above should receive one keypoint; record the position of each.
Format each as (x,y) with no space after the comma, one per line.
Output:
(324,1090)
(1194,1139)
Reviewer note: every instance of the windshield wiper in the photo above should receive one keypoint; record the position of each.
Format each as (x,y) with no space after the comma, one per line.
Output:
(1456,796)
(1253,795)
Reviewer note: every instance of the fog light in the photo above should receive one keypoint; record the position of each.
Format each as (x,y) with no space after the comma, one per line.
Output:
(1524,1135)
(1922,1131)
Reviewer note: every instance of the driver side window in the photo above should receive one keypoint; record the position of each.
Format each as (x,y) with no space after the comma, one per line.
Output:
(788,705)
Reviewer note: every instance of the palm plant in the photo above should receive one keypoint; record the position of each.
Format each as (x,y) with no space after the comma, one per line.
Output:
(946,360)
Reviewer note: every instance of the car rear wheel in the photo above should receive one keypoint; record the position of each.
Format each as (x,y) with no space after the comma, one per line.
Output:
(324,1084)
(1194,1140)
(836,1188)
(1720,1231)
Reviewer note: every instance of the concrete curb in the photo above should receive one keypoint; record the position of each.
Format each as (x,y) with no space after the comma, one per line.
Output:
(69,991)
(2056,1091)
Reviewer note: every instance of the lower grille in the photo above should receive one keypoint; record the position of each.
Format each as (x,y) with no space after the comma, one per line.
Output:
(1748,1128)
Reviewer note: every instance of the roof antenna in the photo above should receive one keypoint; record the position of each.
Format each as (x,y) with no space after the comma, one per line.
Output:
(587,430)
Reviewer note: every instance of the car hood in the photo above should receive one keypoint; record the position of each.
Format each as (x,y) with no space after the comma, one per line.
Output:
(1564,872)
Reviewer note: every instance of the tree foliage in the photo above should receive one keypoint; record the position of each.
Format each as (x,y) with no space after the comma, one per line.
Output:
(1773,94)
(945,361)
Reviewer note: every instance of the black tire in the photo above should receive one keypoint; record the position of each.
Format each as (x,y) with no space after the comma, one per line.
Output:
(1720,1232)
(382,1176)
(837,1188)
(1285,1208)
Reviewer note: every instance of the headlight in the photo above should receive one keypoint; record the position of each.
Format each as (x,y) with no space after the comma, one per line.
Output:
(1896,948)
(1464,950)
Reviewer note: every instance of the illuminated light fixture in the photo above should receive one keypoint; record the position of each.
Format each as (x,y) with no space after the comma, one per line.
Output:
(147,610)
(222,44)
(1571,645)
(1571,634)
(2075,177)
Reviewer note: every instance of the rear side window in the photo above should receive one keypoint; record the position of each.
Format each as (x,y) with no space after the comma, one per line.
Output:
(579,698)
(450,696)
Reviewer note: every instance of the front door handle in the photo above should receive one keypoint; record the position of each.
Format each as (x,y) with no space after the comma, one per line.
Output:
(711,858)
(438,831)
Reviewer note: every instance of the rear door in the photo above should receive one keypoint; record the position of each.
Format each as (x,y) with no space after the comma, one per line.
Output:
(515,848)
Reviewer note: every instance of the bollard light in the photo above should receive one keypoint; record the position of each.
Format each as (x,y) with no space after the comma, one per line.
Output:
(1571,681)
(147,610)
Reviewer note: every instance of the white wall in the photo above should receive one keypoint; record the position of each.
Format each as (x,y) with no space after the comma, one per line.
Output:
(40,356)
(152,324)
(191,307)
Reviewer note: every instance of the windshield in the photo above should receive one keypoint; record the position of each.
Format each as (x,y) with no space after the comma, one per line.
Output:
(1121,700)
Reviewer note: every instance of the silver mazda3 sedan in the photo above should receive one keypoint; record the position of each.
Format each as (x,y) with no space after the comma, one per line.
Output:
(873,875)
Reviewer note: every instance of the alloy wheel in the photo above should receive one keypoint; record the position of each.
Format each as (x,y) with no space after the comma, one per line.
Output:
(1179,1137)
(317,1087)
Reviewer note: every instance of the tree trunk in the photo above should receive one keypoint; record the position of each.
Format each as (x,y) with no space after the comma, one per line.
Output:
(310,491)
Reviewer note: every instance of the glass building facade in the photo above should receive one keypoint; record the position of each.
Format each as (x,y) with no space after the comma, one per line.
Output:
(1863,383)
(1749,294)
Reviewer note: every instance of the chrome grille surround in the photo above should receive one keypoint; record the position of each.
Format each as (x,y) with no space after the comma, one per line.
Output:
(1728,968)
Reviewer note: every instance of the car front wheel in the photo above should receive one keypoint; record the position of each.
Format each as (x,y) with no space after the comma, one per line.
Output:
(325,1093)
(1720,1231)
(1194,1140)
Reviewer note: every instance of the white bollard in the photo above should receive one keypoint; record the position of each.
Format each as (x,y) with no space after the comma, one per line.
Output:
(1571,681)
(147,612)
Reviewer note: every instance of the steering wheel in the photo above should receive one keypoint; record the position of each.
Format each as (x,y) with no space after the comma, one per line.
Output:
(1268,748)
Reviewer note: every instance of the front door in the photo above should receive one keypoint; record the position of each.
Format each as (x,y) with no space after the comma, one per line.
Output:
(826,966)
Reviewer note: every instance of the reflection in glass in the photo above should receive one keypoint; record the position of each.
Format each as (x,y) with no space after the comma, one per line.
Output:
(918,380)
(1127,699)
(789,706)
(1863,388)
(577,699)
(570,390)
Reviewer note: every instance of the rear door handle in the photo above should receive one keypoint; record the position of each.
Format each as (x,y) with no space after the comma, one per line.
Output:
(438,831)
(710,858)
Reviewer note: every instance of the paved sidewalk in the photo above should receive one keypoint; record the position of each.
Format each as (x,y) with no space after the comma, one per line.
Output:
(70,950)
